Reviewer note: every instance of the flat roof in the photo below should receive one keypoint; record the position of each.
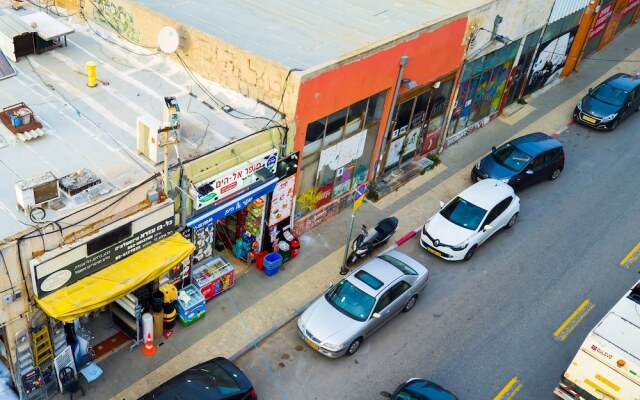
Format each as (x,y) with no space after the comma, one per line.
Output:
(95,128)
(305,34)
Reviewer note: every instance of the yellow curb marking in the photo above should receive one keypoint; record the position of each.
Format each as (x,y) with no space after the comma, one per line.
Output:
(508,391)
(631,257)
(574,319)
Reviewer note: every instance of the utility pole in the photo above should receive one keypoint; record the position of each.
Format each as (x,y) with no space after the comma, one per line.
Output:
(165,144)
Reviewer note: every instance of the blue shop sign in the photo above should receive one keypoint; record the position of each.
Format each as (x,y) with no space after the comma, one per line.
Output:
(231,206)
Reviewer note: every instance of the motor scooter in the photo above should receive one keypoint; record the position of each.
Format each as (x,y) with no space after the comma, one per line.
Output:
(370,239)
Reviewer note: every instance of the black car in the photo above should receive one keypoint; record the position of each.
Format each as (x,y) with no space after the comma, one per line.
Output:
(523,161)
(420,389)
(610,102)
(217,379)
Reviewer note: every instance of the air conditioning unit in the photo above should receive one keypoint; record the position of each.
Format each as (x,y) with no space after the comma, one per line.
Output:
(148,138)
(37,191)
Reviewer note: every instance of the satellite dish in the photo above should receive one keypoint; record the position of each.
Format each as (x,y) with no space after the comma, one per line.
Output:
(168,39)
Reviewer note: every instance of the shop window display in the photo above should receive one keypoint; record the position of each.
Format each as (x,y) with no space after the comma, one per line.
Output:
(337,153)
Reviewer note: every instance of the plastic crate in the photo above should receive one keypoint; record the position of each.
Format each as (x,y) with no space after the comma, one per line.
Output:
(272,263)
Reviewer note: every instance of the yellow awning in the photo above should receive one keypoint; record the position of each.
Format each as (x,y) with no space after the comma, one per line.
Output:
(117,280)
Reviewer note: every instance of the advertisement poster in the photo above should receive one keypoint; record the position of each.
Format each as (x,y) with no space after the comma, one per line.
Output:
(203,239)
(282,200)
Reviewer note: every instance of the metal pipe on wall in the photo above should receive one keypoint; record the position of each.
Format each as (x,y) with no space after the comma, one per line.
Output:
(403,61)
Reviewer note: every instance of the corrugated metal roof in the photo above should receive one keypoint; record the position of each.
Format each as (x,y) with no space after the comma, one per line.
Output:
(304,34)
(11,26)
(562,8)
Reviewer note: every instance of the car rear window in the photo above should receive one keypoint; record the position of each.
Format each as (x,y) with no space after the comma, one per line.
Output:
(404,268)
(370,280)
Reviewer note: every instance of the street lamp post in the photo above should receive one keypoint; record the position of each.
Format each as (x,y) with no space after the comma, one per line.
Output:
(358,198)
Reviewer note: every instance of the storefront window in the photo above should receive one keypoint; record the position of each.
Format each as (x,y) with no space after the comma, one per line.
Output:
(338,152)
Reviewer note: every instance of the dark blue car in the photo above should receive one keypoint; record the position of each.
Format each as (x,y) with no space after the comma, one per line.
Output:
(610,102)
(420,389)
(523,161)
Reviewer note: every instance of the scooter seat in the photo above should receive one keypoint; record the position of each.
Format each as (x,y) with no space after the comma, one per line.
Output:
(386,226)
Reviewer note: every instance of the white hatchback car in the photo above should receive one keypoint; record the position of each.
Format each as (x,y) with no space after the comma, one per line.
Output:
(462,225)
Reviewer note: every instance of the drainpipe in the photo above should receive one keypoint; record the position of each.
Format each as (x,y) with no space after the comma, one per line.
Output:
(403,61)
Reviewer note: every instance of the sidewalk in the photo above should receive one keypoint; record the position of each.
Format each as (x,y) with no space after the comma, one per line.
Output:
(258,305)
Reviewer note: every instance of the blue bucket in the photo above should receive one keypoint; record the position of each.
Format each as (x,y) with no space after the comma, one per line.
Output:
(272,263)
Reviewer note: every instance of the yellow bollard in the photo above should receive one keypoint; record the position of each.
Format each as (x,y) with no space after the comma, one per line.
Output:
(92,81)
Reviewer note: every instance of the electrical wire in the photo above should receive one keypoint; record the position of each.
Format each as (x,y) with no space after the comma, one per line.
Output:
(77,223)
(6,268)
(284,90)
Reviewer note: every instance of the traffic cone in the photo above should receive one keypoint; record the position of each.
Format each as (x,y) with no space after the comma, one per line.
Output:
(149,348)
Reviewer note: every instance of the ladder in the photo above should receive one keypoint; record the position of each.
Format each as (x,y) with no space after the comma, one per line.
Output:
(41,344)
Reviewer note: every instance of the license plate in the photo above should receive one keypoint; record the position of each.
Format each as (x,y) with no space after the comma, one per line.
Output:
(310,343)
(589,119)
(433,251)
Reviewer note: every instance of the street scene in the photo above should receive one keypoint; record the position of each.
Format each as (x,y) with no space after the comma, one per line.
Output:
(430,201)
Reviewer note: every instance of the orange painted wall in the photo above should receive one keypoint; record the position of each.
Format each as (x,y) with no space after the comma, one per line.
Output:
(431,55)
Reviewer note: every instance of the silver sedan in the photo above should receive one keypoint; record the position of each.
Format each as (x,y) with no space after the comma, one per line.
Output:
(337,322)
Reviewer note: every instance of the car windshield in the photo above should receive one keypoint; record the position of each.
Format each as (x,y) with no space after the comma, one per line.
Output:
(511,157)
(463,213)
(610,95)
(350,300)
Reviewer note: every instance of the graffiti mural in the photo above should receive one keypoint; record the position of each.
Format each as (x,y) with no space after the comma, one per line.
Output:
(122,20)
(308,199)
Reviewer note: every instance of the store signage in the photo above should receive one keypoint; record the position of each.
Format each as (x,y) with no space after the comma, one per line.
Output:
(232,206)
(74,264)
(282,200)
(601,20)
(221,186)
(630,6)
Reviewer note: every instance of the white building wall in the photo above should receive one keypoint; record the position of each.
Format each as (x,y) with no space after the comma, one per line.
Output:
(519,17)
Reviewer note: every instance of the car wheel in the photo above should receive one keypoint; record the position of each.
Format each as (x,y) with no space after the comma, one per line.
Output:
(512,221)
(469,254)
(555,174)
(410,303)
(354,346)
(614,125)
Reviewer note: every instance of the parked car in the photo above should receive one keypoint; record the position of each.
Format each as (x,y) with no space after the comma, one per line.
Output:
(472,217)
(337,322)
(420,389)
(523,161)
(610,102)
(216,379)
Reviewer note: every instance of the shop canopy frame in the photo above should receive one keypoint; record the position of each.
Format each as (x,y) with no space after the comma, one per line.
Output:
(111,283)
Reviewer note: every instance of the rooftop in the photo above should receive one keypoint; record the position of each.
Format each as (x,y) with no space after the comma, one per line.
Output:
(94,129)
(305,34)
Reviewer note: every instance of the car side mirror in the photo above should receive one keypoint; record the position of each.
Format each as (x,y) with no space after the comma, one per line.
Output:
(487,228)
(385,394)
(442,204)
(590,90)
(330,283)
(529,172)
(493,149)
(376,315)
(629,104)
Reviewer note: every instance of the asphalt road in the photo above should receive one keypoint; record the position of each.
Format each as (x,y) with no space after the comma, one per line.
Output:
(486,328)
